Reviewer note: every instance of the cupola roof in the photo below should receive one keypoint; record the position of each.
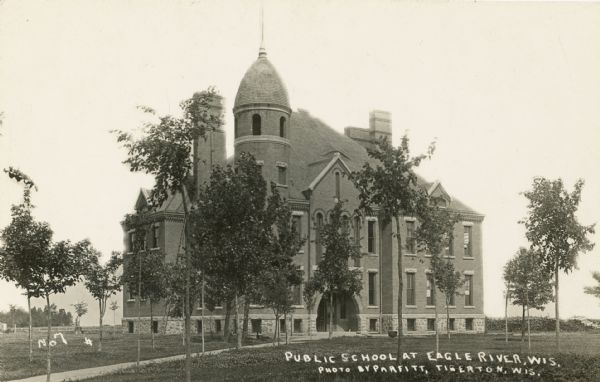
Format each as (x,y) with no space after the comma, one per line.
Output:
(261,85)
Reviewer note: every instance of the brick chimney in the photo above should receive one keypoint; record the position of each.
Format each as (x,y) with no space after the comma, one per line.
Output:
(380,125)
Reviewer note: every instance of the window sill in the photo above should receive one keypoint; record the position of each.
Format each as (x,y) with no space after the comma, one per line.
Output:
(281,185)
(155,249)
(449,257)
(298,306)
(469,306)
(131,300)
(372,254)
(451,307)
(256,306)
(426,255)
(429,306)
(410,254)
(411,306)
(468,258)
(373,306)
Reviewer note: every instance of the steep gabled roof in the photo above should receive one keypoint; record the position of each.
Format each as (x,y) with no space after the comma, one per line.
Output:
(315,145)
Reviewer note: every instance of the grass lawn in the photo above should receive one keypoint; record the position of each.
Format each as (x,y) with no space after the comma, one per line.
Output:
(14,353)
(579,362)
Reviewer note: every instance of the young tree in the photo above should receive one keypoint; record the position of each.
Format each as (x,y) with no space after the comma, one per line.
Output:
(530,286)
(594,290)
(114,306)
(102,282)
(59,268)
(81,309)
(230,224)
(434,235)
(333,278)
(165,151)
(154,279)
(25,240)
(391,186)
(280,273)
(554,231)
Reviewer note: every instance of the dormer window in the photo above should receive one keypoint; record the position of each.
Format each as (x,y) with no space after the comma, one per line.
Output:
(282,127)
(256,126)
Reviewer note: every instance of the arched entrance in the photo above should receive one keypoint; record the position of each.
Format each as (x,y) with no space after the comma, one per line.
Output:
(345,313)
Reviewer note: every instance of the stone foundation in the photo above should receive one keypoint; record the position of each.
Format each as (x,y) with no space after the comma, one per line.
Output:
(307,324)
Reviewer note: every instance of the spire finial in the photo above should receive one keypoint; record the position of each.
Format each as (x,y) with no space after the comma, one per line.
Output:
(262,52)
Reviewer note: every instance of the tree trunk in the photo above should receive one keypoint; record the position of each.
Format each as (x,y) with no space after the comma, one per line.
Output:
(246,317)
(448,317)
(114,321)
(48,359)
(287,341)
(528,331)
(330,314)
(152,325)
(202,317)
(166,319)
(100,319)
(139,323)
(226,327)
(523,328)
(400,286)
(437,332)
(275,333)
(238,344)
(188,276)
(556,308)
(30,325)
(506,317)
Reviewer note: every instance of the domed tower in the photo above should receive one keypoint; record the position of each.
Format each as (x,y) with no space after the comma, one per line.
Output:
(262,120)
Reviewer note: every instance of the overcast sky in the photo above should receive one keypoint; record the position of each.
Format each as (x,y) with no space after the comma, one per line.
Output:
(510,91)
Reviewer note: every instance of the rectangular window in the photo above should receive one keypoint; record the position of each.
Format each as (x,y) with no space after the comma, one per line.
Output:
(282,325)
(297,325)
(131,242)
(452,303)
(410,289)
(131,293)
(337,185)
(451,324)
(199,326)
(372,288)
(296,223)
(373,325)
(318,244)
(430,293)
(130,327)
(469,290)
(468,323)
(256,325)
(218,326)
(431,324)
(411,240)
(449,250)
(154,326)
(297,294)
(411,324)
(282,175)
(155,236)
(371,236)
(468,252)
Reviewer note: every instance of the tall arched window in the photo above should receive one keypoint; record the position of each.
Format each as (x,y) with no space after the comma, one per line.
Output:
(282,127)
(235,128)
(256,124)
(318,243)
(337,185)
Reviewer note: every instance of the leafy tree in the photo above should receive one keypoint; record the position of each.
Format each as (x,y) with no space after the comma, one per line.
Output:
(390,184)
(165,151)
(529,285)
(280,274)
(333,277)
(59,268)
(434,235)
(25,240)
(594,290)
(554,231)
(230,224)
(102,282)
(114,306)
(154,280)
(81,308)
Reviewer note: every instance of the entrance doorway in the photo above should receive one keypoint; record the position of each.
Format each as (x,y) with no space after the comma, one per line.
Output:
(345,314)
